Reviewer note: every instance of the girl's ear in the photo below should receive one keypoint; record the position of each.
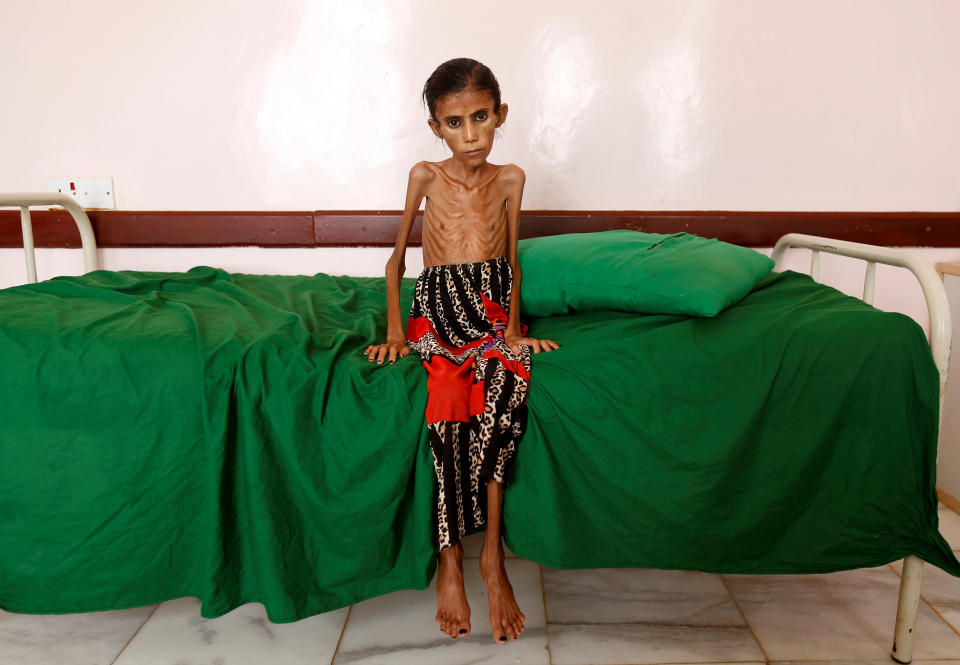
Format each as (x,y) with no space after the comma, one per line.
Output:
(502,114)
(434,127)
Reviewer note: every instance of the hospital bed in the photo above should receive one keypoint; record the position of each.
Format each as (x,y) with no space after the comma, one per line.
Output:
(219,496)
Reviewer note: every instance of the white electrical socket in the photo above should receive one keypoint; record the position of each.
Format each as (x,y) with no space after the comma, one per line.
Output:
(96,193)
(90,193)
(68,186)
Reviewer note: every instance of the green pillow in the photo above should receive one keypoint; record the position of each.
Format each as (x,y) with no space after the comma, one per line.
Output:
(648,273)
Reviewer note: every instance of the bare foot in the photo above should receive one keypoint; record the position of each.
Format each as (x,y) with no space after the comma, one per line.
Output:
(505,616)
(453,611)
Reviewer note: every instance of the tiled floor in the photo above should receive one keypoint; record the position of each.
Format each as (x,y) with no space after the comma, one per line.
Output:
(604,617)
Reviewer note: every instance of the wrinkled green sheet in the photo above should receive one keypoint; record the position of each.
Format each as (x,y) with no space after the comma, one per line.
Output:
(221,436)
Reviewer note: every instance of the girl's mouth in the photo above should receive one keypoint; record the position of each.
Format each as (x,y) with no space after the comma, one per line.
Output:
(474,152)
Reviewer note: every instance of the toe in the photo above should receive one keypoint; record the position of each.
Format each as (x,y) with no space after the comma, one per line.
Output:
(508,629)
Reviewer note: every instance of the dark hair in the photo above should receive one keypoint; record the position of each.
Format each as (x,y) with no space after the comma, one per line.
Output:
(456,75)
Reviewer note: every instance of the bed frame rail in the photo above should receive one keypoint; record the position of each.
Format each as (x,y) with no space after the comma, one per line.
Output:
(940,330)
(24,200)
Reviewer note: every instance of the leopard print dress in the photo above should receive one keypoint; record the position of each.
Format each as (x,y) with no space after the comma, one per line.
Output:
(476,385)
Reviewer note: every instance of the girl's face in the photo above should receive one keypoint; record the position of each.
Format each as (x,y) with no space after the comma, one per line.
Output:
(467,123)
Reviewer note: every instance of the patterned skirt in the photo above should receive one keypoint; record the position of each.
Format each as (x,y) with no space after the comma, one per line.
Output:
(476,385)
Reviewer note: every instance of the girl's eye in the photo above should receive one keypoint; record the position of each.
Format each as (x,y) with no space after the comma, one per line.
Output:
(482,115)
(453,123)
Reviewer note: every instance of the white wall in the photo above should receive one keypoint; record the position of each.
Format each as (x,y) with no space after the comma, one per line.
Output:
(614,104)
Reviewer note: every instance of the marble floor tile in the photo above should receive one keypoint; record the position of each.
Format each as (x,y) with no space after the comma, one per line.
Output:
(847,615)
(92,638)
(630,615)
(875,661)
(399,629)
(176,634)
(949,526)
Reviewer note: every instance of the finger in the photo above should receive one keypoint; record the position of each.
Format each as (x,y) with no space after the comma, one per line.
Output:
(382,354)
(393,354)
(405,351)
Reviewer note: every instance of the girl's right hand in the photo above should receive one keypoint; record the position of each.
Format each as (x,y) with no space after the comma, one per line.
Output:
(392,348)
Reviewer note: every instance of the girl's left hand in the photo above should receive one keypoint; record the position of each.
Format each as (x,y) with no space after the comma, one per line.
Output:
(537,345)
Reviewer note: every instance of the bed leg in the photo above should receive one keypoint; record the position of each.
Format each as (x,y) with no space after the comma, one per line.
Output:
(907,607)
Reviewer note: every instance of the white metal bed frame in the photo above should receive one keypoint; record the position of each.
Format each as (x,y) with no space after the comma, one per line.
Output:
(909,599)
(908,603)
(24,200)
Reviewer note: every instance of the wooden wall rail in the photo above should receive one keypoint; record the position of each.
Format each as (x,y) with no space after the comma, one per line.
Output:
(325,228)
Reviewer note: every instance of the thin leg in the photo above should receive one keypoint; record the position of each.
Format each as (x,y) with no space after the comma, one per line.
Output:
(453,610)
(907,608)
(506,619)
(491,543)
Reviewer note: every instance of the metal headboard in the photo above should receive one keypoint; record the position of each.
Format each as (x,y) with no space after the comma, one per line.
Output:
(24,200)
(938,308)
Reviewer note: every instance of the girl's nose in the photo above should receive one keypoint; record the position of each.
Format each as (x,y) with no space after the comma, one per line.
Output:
(471,133)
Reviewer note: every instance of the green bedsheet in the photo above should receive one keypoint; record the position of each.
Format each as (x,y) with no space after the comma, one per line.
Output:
(221,436)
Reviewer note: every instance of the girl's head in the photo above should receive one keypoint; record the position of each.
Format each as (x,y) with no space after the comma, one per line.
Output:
(463,97)
(456,75)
